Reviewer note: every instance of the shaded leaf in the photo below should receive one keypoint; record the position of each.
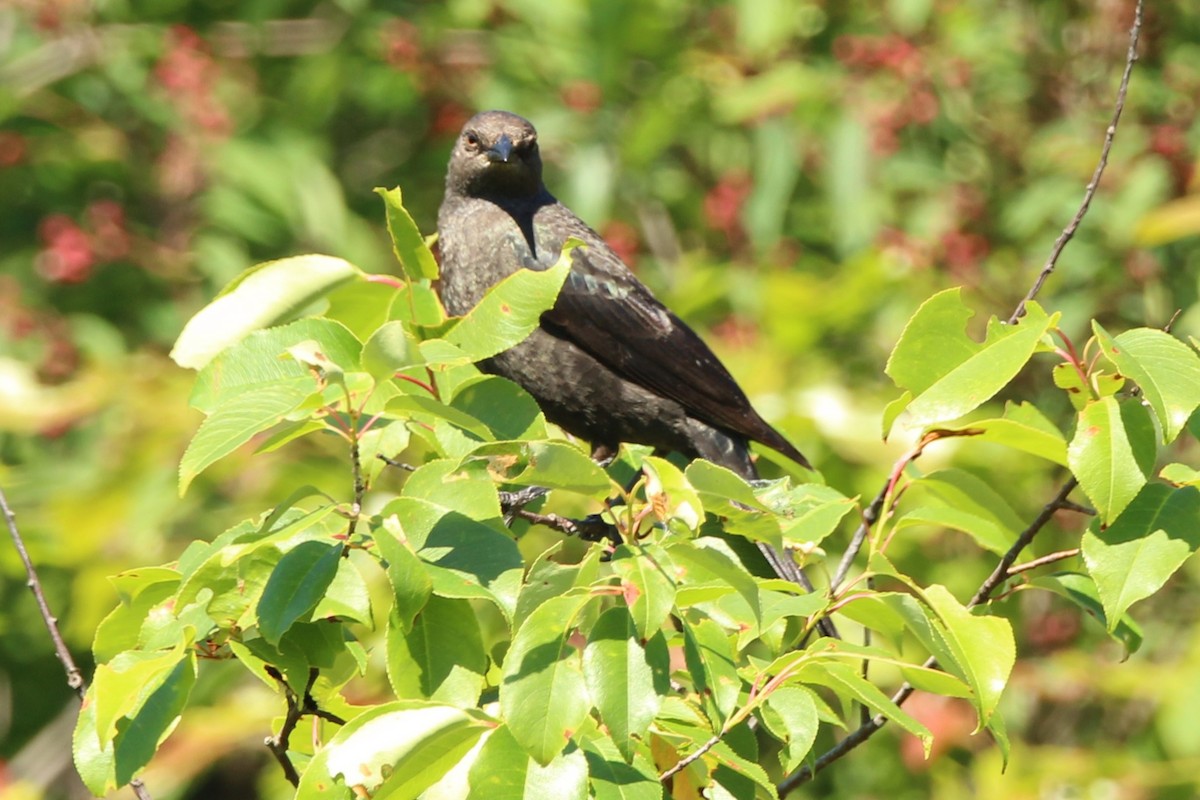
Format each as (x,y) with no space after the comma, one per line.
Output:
(543,695)
(619,679)
(1081,590)
(296,585)
(1133,557)
(440,657)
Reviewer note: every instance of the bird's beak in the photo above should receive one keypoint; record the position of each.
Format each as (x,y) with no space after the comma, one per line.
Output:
(501,151)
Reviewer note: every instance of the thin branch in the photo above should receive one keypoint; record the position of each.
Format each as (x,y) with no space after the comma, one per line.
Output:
(1068,232)
(75,677)
(278,745)
(510,502)
(360,486)
(391,462)
(1000,573)
(872,512)
(870,516)
(1052,558)
(682,763)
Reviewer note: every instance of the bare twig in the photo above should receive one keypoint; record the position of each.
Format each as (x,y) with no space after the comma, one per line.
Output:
(870,516)
(682,763)
(391,462)
(360,486)
(278,745)
(1001,571)
(510,502)
(985,591)
(1131,57)
(74,677)
(1051,558)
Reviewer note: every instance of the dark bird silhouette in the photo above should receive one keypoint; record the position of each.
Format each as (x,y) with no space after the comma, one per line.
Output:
(609,362)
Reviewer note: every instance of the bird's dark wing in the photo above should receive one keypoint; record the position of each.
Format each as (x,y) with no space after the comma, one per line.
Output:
(604,310)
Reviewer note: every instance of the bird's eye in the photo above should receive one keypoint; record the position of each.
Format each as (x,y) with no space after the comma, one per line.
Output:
(471,138)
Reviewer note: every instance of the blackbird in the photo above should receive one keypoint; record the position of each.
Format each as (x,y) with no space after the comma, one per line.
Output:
(608,363)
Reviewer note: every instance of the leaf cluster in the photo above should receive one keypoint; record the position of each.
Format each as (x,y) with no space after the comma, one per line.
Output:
(661,661)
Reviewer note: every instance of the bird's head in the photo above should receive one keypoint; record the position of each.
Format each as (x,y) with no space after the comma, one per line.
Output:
(496,155)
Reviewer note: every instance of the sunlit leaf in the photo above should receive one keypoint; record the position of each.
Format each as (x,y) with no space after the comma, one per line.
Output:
(265,295)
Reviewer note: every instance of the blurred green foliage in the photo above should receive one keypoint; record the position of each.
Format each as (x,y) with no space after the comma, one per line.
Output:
(795,177)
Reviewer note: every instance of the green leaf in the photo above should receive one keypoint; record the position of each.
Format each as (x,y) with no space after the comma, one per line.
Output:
(504,407)
(467,488)
(547,578)
(144,729)
(709,657)
(790,714)
(423,407)
(1068,378)
(144,593)
(670,494)
(407,243)
(718,483)
(256,362)
(346,597)
(125,684)
(94,761)
(728,495)
(411,584)
(808,512)
(738,772)
(543,695)
(1133,557)
(1166,370)
(982,646)
(510,311)
(619,679)
(1102,458)
(647,585)
(235,423)
(503,771)
(1023,427)
(708,558)
(441,657)
(417,304)
(1081,590)
(388,350)
(465,558)
(967,503)
(264,295)
(393,751)
(846,681)
(296,585)
(613,779)
(555,465)
(228,576)
(951,374)
(1180,475)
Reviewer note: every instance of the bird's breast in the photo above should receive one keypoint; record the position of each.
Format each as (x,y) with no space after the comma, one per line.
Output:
(481,245)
